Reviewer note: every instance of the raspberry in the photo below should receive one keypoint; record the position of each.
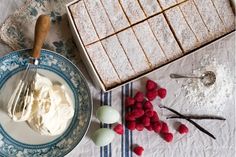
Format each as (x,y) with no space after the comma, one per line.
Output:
(164,128)
(119,129)
(138,105)
(161,93)
(138,113)
(155,117)
(129,102)
(183,129)
(129,116)
(149,128)
(151,85)
(145,121)
(149,113)
(139,127)
(138,150)
(139,97)
(168,137)
(148,105)
(151,95)
(131,125)
(157,126)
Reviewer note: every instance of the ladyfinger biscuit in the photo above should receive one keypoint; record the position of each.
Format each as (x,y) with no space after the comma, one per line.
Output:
(167,3)
(99,18)
(210,17)
(165,37)
(118,58)
(226,13)
(83,23)
(102,64)
(194,20)
(184,34)
(149,44)
(116,14)
(132,10)
(133,51)
(150,7)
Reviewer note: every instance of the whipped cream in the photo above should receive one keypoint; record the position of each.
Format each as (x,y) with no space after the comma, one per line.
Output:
(51,108)
(15,110)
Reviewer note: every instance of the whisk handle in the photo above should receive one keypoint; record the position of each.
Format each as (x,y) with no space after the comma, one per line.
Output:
(41,30)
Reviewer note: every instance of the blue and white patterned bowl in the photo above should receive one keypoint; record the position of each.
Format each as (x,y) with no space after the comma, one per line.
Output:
(17,139)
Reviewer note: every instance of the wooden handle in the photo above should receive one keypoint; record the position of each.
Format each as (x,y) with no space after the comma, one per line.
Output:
(41,30)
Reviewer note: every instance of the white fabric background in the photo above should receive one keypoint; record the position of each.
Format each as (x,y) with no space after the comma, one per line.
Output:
(193,144)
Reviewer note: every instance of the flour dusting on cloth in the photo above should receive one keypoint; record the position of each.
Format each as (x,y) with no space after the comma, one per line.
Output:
(212,99)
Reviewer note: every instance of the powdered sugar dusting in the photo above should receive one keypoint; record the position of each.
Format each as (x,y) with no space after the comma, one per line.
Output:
(212,99)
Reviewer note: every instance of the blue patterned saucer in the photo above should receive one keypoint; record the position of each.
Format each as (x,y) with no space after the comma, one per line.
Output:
(16,138)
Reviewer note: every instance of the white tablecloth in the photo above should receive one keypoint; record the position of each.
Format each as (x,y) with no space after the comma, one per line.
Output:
(194,144)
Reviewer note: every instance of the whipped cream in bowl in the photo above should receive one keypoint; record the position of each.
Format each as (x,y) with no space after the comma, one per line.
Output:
(52,107)
(60,108)
(49,107)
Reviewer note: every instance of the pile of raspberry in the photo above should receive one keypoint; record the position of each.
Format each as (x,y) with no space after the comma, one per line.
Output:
(141,115)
